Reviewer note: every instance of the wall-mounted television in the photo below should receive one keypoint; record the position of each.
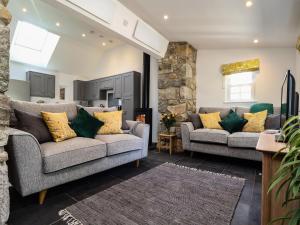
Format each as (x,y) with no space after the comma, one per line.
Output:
(289,98)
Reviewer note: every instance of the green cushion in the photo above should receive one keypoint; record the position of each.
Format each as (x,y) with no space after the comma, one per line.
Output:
(261,107)
(233,122)
(283,108)
(85,125)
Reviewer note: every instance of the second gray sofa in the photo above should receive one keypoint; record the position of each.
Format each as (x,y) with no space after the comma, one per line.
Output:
(220,142)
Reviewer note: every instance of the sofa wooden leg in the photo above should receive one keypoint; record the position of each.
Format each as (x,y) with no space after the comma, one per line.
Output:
(192,154)
(42,196)
(137,163)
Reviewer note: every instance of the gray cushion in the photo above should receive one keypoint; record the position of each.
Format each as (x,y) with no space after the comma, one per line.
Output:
(57,156)
(209,135)
(34,125)
(119,143)
(35,109)
(195,119)
(243,140)
(241,110)
(224,111)
(272,122)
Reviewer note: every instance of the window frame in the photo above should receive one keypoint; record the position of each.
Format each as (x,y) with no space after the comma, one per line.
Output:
(26,54)
(227,88)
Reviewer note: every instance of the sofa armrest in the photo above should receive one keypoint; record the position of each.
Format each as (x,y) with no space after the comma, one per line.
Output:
(25,160)
(141,130)
(186,128)
(132,124)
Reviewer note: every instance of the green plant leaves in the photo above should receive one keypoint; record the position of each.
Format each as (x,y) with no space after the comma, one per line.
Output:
(286,180)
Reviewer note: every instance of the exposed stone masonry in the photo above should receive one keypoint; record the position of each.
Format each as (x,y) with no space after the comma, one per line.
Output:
(177,81)
(5,18)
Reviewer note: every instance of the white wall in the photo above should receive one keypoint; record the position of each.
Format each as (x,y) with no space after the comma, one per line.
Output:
(154,97)
(121,59)
(274,64)
(74,57)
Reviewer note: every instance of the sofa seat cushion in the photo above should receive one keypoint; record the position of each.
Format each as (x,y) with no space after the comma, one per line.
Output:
(243,140)
(119,143)
(60,155)
(210,135)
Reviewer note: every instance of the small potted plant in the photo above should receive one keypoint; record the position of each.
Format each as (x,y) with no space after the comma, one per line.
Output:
(168,120)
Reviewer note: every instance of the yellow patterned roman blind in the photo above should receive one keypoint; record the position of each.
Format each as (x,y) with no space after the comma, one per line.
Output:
(298,44)
(240,67)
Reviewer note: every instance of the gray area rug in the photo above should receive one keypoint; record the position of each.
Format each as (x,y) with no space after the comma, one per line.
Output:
(167,194)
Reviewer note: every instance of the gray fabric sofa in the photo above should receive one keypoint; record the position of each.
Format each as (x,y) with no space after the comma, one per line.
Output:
(220,142)
(35,167)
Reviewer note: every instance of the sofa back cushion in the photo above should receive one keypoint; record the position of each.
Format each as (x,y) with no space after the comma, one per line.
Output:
(223,111)
(36,109)
(195,119)
(241,110)
(92,110)
(34,125)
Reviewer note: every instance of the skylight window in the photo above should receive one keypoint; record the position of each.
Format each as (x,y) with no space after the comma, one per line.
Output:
(33,45)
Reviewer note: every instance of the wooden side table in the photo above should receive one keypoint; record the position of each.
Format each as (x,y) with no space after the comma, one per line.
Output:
(271,207)
(169,139)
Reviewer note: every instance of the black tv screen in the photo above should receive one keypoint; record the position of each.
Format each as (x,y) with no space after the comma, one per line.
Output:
(289,98)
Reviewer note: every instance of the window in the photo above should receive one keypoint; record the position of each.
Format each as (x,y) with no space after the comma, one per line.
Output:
(33,45)
(239,87)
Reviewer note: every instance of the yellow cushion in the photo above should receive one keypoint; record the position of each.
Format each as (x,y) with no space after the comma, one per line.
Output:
(58,126)
(211,120)
(256,121)
(112,122)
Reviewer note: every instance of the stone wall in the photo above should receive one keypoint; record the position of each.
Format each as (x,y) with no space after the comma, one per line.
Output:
(177,81)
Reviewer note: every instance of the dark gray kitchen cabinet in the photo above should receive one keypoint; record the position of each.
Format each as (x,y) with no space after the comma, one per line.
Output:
(131,94)
(118,86)
(41,85)
(79,90)
(107,83)
(127,84)
(93,90)
(50,86)
(128,108)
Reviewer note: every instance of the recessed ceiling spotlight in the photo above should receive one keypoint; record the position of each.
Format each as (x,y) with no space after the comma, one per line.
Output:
(249,4)
(83,35)
(255,41)
(103,44)
(57,24)
(24,10)
(166,17)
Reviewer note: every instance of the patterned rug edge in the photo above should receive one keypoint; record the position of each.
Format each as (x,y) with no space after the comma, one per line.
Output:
(205,171)
(69,219)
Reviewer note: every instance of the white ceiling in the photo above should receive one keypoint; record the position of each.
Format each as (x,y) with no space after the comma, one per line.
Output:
(223,23)
(46,16)
(74,54)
